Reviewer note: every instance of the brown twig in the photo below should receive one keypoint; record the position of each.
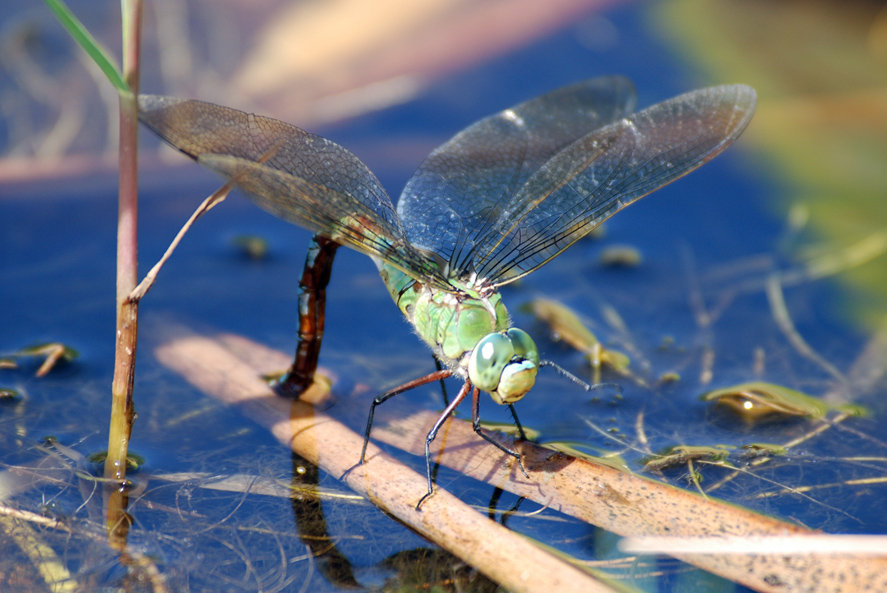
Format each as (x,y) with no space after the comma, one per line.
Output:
(228,369)
(216,198)
(497,552)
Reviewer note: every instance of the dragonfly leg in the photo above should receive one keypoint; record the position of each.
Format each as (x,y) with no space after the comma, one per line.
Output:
(312,304)
(443,386)
(432,434)
(475,417)
(439,375)
(517,423)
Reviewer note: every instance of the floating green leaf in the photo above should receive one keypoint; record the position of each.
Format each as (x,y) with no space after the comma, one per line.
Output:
(757,400)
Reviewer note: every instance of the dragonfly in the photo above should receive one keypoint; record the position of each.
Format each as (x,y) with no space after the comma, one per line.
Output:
(497,201)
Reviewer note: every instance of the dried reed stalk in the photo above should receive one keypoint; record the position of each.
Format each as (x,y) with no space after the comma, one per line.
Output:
(227,367)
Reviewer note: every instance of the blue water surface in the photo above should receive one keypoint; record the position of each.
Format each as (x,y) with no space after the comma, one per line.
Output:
(57,249)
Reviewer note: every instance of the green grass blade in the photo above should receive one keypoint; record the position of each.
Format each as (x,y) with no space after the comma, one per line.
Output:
(88,43)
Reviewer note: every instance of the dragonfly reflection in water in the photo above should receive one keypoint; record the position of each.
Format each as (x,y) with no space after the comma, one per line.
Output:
(500,199)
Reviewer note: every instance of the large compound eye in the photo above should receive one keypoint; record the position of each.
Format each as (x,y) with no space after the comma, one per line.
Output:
(488,359)
(524,346)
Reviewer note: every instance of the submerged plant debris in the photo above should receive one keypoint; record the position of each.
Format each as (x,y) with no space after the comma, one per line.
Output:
(565,325)
(52,353)
(681,455)
(252,246)
(620,256)
(759,400)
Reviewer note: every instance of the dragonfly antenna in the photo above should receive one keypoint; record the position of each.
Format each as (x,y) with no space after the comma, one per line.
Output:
(568,375)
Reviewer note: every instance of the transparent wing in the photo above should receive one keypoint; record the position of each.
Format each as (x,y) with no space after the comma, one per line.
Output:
(601,173)
(462,191)
(297,176)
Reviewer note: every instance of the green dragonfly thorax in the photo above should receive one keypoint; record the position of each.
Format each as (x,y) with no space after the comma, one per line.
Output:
(470,332)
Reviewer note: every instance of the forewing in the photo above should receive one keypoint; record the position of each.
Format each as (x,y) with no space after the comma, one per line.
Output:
(601,173)
(461,191)
(300,177)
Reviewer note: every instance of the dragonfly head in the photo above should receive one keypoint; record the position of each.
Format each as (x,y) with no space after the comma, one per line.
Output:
(504,364)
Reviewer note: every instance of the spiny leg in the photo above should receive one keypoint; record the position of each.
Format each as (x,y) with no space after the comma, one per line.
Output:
(439,375)
(432,434)
(446,399)
(312,304)
(520,428)
(475,417)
